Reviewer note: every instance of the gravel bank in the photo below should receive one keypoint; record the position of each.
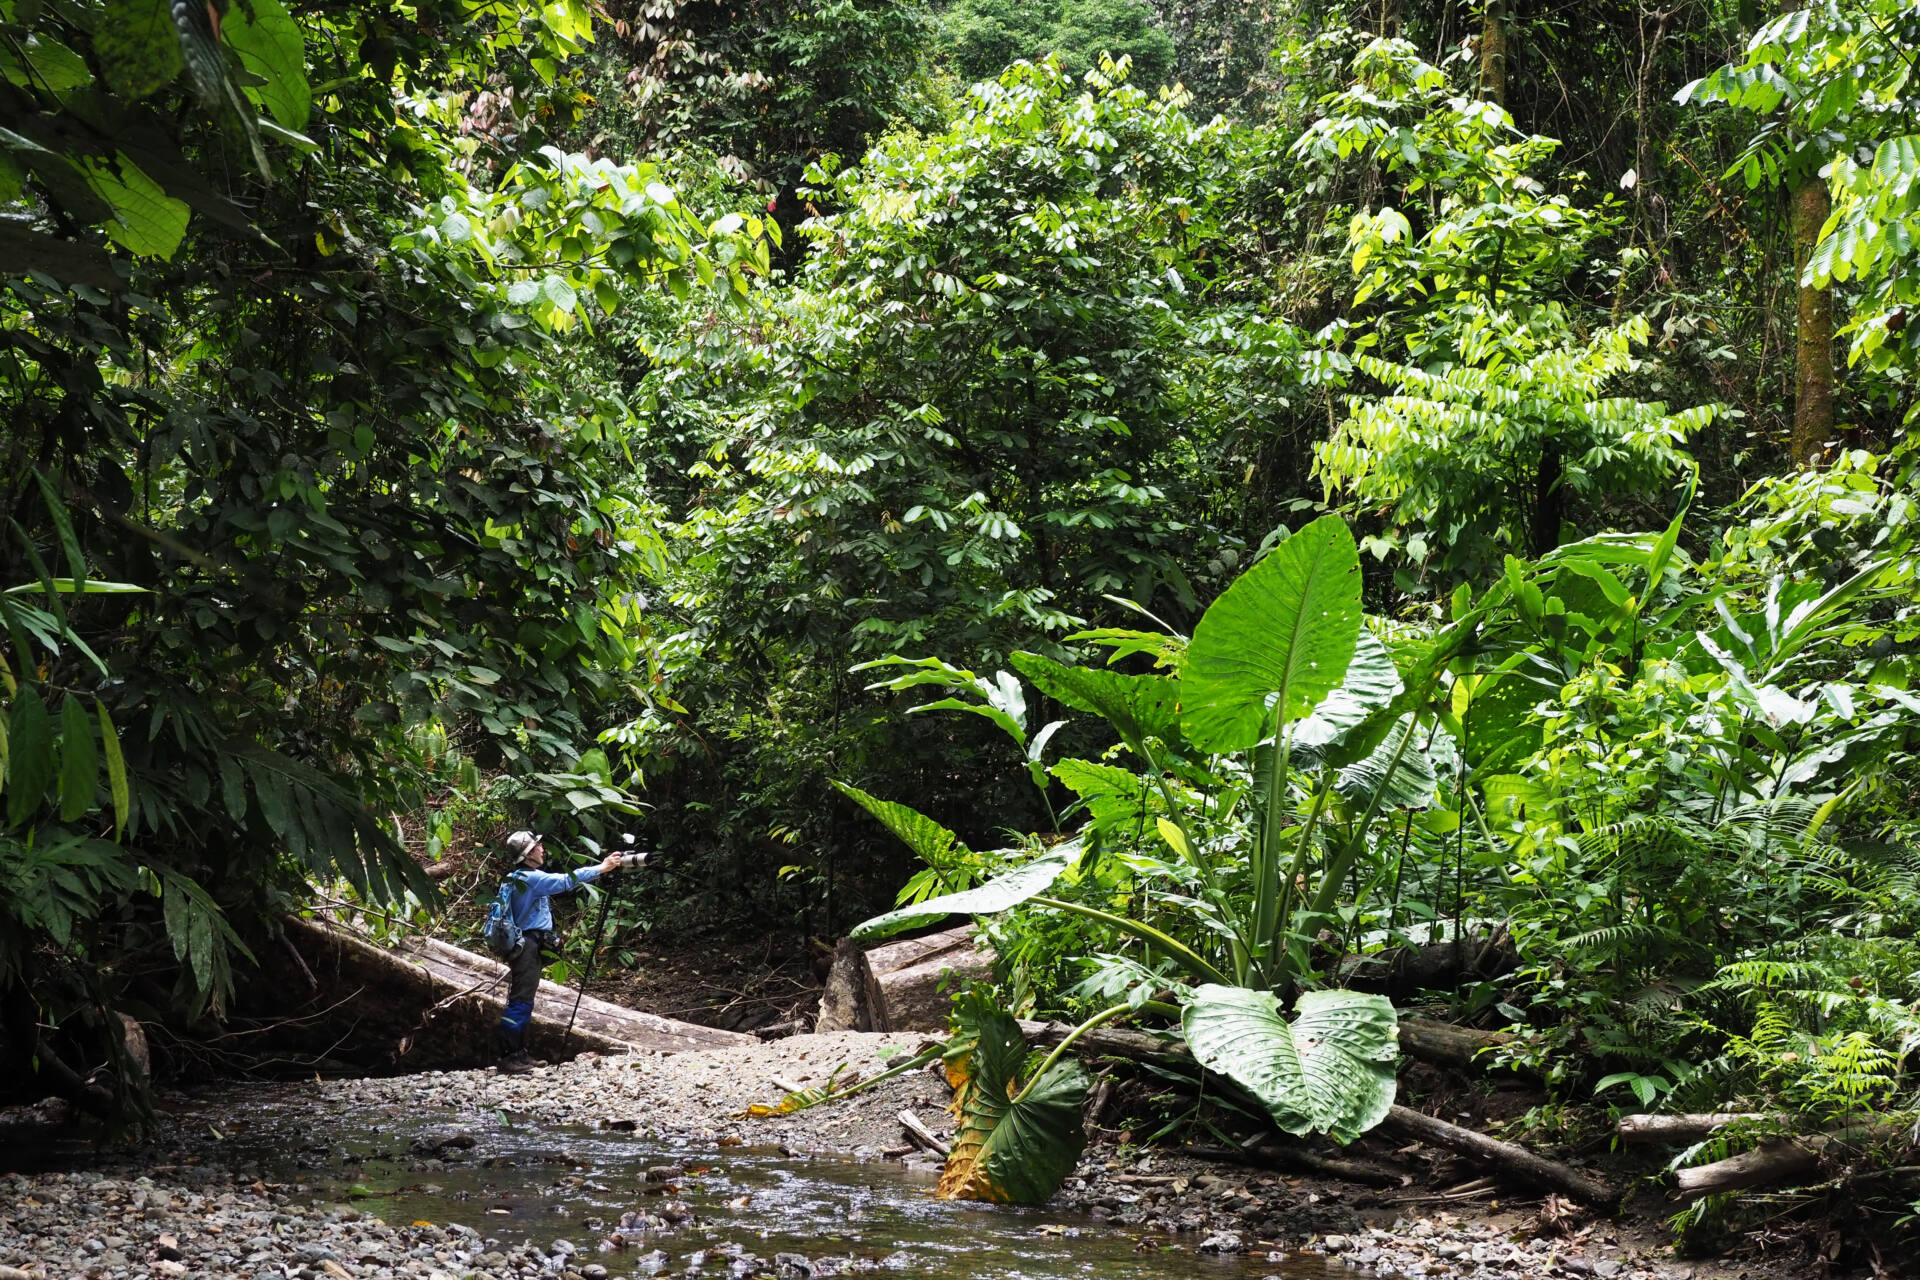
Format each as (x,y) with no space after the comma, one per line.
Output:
(185,1206)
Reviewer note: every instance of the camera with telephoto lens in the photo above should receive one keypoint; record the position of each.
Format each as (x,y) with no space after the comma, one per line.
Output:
(630,856)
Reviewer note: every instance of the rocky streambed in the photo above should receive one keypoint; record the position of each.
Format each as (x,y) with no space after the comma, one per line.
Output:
(651,1165)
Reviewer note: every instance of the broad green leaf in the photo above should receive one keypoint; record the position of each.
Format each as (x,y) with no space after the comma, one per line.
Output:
(79,763)
(1371,683)
(116,771)
(1138,707)
(1013,1147)
(146,220)
(43,62)
(1495,715)
(1331,1071)
(933,842)
(1281,636)
(997,894)
(270,46)
(138,46)
(30,757)
(1116,798)
(1405,778)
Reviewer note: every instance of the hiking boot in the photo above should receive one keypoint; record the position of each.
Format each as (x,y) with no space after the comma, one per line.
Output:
(515,1064)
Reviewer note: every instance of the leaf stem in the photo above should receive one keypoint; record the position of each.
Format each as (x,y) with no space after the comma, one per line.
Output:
(1105,1015)
(1186,955)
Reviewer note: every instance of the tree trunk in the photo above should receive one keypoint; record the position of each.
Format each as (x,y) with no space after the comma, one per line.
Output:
(1493,52)
(1813,362)
(852,999)
(1543,524)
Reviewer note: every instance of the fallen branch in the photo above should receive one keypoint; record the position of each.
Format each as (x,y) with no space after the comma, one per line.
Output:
(1778,1160)
(1513,1162)
(1299,1160)
(1682,1129)
(923,1135)
(1769,1162)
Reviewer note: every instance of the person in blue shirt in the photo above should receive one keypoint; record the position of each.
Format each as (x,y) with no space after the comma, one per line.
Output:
(533,912)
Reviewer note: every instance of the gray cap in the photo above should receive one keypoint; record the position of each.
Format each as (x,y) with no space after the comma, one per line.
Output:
(521,843)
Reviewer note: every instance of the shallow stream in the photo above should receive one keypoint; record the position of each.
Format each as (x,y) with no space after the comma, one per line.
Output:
(518,1182)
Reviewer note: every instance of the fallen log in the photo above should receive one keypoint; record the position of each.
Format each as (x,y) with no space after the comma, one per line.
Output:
(1513,1162)
(1682,1129)
(426,1004)
(1110,1042)
(1769,1162)
(1447,1045)
(917,977)
(1778,1160)
(1403,971)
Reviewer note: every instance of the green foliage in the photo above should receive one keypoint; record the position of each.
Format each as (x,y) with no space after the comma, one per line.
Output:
(300,372)
(1503,412)
(768,88)
(1239,910)
(983,37)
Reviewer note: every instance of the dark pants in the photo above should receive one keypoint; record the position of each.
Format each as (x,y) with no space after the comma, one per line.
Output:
(525,965)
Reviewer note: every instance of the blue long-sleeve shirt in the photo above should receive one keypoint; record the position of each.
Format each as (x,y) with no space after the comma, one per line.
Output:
(529,904)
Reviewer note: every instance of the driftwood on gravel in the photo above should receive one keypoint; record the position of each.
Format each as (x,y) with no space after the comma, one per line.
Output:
(1511,1161)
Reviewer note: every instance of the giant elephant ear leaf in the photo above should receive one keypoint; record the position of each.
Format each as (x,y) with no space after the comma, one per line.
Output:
(1331,1071)
(1371,684)
(1013,1146)
(997,894)
(1282,635)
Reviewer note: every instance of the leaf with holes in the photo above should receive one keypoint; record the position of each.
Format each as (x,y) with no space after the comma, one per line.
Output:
(1280,638)
(1331,1071)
